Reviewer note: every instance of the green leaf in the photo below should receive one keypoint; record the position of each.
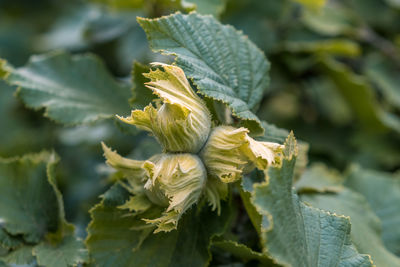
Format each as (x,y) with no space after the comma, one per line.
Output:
(360,97)
(273,133)
(332,20)
(67,29)
(3,70)
(243,252)
(246,189)
(69,252)
(365,226)
(311,180)
(112,241)
(341,47)
(393,3)
(382,191)
(28,203)
(380,71)
(212,7)
(222,62)
(141,95)
(328,101)
(295,229)
(313,4)
(20,256)
(31,206)
(7,241)
(121,4)
(72,89)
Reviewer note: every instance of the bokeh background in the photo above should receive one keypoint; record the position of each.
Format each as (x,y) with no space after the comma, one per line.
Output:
(335,79)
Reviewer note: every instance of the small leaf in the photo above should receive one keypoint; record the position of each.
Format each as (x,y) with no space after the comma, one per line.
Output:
(222,62)
(295,229)
(212,7)
(141,95)
(69,252)
(312,181)
(112,241)
(73,89)
(243,252)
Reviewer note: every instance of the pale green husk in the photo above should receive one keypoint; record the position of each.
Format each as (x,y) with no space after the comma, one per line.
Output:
(180,121)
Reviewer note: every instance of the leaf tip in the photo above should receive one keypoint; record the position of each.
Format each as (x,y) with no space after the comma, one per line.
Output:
(5,69)
(290,149)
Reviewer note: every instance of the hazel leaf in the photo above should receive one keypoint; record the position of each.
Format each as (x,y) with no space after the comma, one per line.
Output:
(222,62)
(322,236)
(73,89)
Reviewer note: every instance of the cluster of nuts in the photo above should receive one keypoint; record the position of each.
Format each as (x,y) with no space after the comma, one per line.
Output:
(198,160)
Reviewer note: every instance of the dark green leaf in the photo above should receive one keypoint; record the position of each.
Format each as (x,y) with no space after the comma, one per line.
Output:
(141,95)
(113,242)
(243,252)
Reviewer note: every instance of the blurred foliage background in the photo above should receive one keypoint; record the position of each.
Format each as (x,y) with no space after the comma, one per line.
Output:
(335,79)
